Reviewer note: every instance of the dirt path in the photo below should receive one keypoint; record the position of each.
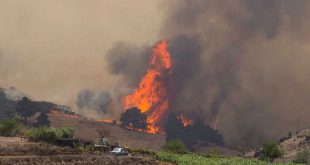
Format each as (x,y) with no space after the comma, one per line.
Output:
(5,141)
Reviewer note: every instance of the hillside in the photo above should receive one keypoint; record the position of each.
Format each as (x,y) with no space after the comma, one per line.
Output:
(87,129)
(10,99)
(7,107)
(296,143)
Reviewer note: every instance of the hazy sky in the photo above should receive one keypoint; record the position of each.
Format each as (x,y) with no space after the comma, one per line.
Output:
(53,48)
(244,63)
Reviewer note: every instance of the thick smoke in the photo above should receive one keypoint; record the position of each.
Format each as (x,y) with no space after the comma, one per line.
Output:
(2,68)
(128,60)
(88,100)
(241,63)
(13,94)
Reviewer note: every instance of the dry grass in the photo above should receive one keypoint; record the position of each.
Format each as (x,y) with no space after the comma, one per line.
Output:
(88,129)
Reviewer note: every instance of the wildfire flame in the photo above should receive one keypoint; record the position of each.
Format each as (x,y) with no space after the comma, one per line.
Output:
(73,116)
(185,121)
(151,95)
(105,121)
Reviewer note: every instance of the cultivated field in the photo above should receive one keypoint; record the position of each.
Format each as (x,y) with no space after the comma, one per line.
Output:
(195,159)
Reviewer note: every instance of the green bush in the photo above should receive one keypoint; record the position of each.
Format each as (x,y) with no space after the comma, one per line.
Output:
(213,152)
(176,146)
(49,135)
(9,127)
(271,151)
(142,152)
(303,157)
(89,147)
(66,132)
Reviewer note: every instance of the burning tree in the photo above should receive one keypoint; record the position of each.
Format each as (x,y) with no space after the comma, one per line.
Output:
(133,118)
(151,96)
(175,128)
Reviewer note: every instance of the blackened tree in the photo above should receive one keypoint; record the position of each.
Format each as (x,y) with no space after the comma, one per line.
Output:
(204,132)
(133,118)
(42,120)
(24,109)
(7,107)
(174,129)
(190,135)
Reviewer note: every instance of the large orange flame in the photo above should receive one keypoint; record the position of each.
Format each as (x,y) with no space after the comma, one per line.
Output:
(185,121)
(151,95)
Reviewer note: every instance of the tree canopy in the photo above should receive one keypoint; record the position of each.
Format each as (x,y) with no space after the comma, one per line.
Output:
(7,107)
(43,120)
(271,150)
(24,108)
(133,118)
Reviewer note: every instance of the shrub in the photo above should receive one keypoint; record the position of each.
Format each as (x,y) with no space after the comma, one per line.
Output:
(9,127)
(89,147)
(271,151)
(42,120)
(303,157)
(176,146)
(142,152)
(66,132)
(213,152)
(289,134)
(49,135)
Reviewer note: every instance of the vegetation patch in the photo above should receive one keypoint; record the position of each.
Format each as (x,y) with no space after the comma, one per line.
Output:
(303,157)
(143,152)
(176,146)
(195,159)
(10,128)
(271,151)
(49,135)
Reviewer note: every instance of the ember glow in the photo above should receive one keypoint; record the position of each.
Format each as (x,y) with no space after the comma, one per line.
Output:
(151,96)
(105,121)
(64,115)
(185,121)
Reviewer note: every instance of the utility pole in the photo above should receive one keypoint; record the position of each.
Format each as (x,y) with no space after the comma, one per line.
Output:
(298,126)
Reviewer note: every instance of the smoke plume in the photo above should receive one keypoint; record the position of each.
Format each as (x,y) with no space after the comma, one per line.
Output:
(88,100)
(15,95)
(128,60)
(242,65)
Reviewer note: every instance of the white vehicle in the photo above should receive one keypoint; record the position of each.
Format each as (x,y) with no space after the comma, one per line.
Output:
(120,151)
